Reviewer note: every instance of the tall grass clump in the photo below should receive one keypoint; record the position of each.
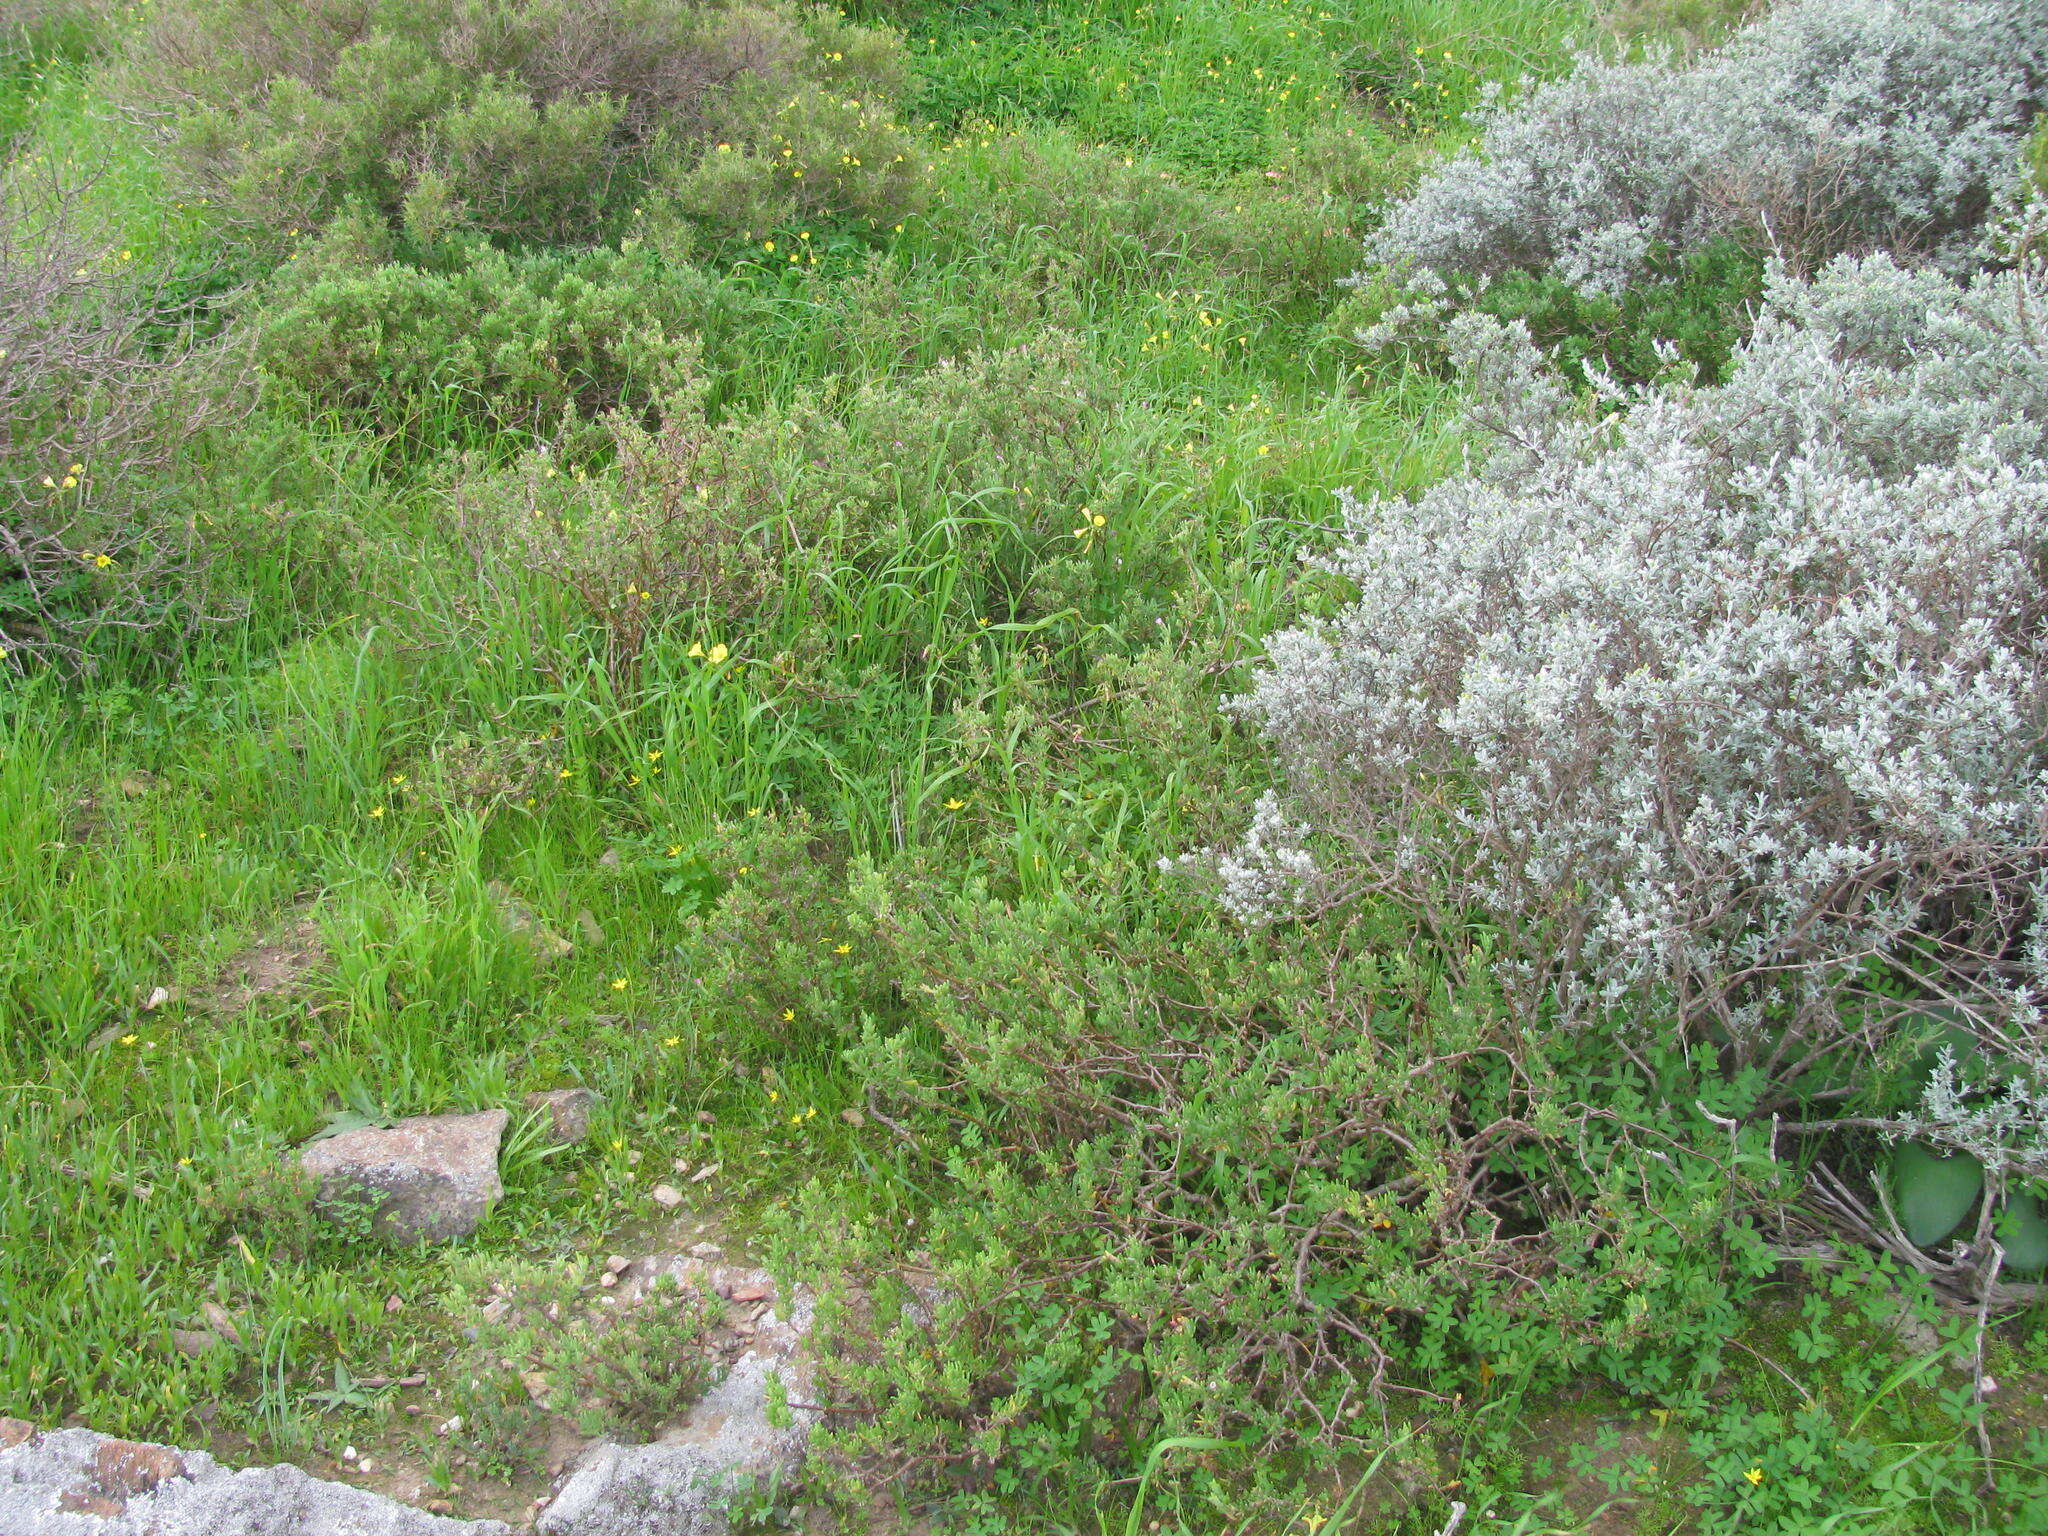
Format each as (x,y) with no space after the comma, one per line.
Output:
(1829,126)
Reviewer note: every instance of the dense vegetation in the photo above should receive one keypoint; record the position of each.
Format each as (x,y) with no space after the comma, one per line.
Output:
(833,512)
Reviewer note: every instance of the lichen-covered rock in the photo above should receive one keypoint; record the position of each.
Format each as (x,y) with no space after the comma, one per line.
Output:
(426,1179)
(72,1482)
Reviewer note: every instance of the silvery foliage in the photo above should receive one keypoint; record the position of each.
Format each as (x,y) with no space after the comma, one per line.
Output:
(1830,126)
(2004,1125)
(1706,698)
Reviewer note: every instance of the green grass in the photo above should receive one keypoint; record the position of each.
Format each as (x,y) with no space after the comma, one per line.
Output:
(388,726)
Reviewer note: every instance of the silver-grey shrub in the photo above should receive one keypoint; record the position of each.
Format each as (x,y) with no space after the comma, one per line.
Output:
(1830,126)
(1716,702)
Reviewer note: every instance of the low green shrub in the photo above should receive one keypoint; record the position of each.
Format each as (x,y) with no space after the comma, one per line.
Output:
(530,120)
(534,348)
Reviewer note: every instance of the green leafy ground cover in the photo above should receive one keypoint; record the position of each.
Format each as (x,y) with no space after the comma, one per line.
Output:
(853,681)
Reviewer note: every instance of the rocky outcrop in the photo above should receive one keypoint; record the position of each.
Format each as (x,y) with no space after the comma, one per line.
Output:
(72,1482)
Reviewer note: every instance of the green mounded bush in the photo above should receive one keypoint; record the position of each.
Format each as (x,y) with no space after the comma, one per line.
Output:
(542,121)
(537,346)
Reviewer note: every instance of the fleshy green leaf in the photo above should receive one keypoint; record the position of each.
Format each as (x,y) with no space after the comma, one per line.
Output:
(2023,1232)
(1933,1192)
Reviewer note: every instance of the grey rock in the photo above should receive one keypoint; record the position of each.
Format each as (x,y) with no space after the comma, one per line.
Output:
(426,1179)
(679,1485)
(568,1111)
(73,1482)
(524,924)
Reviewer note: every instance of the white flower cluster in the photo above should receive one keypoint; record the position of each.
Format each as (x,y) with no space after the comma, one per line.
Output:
(1715,701)
(1830,126)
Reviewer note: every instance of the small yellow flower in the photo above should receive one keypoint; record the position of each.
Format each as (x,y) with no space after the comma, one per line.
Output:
(718,654)
(1754,1476)
(376,813)
(619,985)
(955,804)
(842,949)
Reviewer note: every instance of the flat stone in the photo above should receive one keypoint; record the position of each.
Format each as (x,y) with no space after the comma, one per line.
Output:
(678,1485)
(194,1341)
(568,1111)
(426,1179)
(69,1482)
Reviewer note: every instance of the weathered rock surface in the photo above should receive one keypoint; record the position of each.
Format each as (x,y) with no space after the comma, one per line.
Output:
(72,1482)
(426,1179)
(523,924)
(677,1485)
(568,1112)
